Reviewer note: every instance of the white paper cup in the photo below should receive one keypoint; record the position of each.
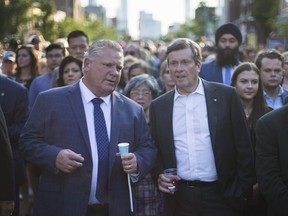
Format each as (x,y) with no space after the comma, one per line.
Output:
(123,148)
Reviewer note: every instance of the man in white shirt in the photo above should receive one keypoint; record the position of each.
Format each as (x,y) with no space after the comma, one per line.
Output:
(200,129)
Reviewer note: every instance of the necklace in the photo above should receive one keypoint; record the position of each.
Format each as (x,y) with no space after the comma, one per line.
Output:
(247,112)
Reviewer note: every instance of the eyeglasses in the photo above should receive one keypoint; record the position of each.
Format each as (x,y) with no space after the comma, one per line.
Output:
(136,93)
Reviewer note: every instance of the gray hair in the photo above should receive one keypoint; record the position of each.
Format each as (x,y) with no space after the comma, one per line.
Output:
(183,43)
(97,46)
(146,79)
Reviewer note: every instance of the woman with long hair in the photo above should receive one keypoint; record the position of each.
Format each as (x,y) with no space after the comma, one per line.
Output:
(27,65)
(247,82)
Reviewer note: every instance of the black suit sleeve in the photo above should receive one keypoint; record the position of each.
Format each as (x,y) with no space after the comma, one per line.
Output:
(6,163)
(270,168)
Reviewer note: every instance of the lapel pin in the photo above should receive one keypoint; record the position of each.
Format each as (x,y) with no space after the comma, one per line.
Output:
(215,99)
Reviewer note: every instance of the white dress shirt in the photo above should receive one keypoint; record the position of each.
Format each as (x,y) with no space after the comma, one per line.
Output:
(87,97)
(194,155)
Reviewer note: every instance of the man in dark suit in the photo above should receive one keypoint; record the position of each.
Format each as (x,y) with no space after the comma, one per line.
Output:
(14,104)
(228,38)
(272,160)
(61,138)
(7,187)
(200,129)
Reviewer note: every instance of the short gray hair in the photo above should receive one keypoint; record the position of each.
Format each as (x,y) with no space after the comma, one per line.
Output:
(97,46)
(183,43)
(146,79)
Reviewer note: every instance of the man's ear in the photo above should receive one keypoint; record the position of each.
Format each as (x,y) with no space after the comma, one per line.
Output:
(199,64)
(86,65)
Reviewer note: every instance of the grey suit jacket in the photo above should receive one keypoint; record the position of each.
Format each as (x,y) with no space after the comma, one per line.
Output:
(229,136)
(57,121)
(272,160)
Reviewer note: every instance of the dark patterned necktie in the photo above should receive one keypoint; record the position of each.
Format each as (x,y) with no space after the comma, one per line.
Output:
(102,148)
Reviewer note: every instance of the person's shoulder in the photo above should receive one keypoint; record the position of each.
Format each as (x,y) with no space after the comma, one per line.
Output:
(129,104)
(124,99)
(10,83)
(57,91)
(217,85)
(209,63)
(41,77)
(285,92)
(207,68)
(285,96)
(164,97)
(276,115)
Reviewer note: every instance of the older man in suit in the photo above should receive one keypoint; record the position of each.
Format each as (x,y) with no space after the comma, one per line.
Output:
(14,103)
(7,187)
(272,160)
(82,173)
(200,129)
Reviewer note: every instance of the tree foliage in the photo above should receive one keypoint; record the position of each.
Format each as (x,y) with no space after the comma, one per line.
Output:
(46,23)
(13,16)
(21,17)
(197,28)
(94,29)
(265,13)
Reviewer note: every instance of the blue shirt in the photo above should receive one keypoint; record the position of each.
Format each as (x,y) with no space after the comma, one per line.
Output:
(39,84)
(277,102)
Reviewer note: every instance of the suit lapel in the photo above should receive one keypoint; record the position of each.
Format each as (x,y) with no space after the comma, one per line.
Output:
(74,96)
(116,109)
(2,89)
(218,73)
(212,103)
(286,117)
(168,122)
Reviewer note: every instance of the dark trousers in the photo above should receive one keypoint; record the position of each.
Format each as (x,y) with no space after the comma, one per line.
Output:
(202,201)
(97,210)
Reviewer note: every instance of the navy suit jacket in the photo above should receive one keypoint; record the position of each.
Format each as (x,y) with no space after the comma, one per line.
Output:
(229,137)
(272,160)
(14,104)
(7,189)
(210,71)
(57,121)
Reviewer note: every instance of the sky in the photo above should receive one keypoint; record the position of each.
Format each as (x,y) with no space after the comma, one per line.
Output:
(167,12)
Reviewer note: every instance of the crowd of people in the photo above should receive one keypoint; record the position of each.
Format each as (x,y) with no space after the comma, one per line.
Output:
(220,119)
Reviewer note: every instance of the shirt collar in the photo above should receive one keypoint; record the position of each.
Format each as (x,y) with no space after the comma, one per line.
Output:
(88,95)
(280,92)
(198,90)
